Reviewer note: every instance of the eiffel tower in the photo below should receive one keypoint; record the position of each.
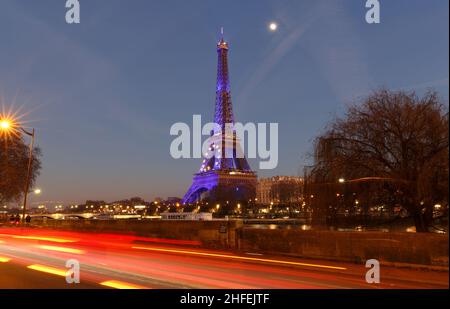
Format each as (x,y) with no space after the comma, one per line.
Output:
(223,177)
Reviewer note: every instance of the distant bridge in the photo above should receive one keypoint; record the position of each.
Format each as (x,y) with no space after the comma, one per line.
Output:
(64,216)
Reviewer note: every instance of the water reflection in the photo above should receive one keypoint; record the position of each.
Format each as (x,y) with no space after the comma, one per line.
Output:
(303,227)
(308,227)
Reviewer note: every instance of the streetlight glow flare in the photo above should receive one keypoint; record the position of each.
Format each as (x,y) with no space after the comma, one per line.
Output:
(5,124)
(8,125)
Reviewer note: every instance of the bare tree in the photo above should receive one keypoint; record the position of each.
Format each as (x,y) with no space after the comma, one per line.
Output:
(398,137)
(286,192)
(13,167)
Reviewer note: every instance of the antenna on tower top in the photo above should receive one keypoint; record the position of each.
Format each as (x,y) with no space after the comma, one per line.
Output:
(222,44)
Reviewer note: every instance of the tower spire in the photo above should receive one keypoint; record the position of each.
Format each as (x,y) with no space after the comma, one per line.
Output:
(224,110)
(222,43)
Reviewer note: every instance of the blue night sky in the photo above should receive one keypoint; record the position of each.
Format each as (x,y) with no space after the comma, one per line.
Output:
(103,94)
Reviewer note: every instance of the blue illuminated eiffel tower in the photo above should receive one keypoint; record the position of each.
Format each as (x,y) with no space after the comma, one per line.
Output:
(220,175)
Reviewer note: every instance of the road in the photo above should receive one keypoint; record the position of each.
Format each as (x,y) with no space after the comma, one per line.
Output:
(36,258)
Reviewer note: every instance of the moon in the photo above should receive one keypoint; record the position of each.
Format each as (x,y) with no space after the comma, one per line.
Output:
(273,26)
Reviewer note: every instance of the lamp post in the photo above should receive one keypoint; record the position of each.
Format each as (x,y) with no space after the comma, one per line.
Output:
(8,125)
(32,134)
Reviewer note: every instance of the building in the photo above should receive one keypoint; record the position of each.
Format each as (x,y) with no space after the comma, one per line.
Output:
(187,216)
(278,190)
(223,177)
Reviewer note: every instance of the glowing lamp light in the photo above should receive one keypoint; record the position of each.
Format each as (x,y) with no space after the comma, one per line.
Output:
(5,124)
(341,180)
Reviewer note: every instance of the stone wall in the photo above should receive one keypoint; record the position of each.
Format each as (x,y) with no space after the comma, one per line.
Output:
(410,248)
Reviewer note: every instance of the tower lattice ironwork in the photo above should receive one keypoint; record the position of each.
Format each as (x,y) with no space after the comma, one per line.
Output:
(227,175)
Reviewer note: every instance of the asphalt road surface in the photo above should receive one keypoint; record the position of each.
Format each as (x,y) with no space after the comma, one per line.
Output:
(36,258)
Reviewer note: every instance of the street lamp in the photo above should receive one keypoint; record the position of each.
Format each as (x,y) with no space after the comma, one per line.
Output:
(7,125)
(341,180)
